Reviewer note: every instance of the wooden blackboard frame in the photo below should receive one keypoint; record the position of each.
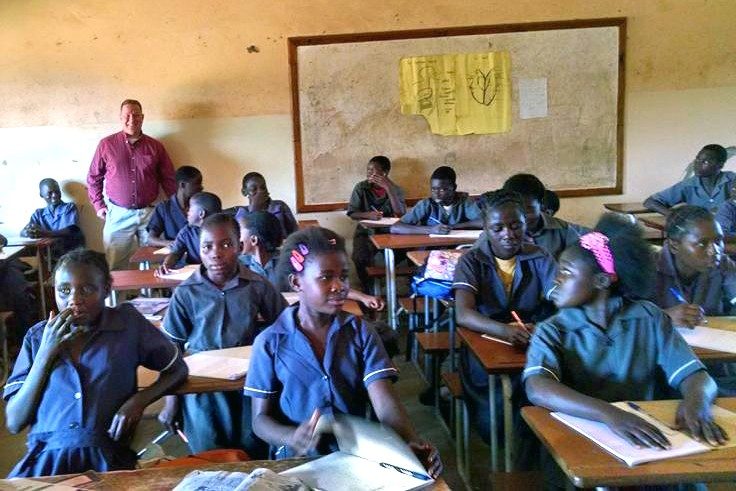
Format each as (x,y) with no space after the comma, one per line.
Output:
(295,42)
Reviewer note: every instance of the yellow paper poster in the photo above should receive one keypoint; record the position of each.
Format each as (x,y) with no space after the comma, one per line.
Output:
(458,94)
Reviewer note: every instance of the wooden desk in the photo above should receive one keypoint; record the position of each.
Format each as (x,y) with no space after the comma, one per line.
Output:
(166,478)
(193,385)
(42,249)
(499,360)
(9,252)
(146,255)
(133,279)
(653,221)
(307,223)
(588,465)
(390,242)
(628,208)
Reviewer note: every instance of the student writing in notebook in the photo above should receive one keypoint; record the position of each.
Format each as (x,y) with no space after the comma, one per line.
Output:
(222,305)
(170,216)
(694,277)
(316,359)
(709,187)
(446,209)
(606,344)
(504,273)
(372,199)
(74,382)
(185,247)
(259,199)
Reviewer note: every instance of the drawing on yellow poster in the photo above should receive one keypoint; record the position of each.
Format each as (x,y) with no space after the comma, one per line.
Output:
(458,94)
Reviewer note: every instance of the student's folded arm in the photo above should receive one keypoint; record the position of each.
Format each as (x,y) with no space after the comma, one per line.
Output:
(544,390)
(397,200)
(362,215)
(158,240)
(656,206)
(265,425)
(389,409)
(472,224)
(467,315)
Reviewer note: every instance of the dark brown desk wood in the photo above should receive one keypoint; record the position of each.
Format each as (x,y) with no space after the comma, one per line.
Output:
(653,221)
(588,465)
(146,254)
(193,385)
(403,242)
(497,358)
(435,342)
(133,279)
(629,208)
(308,223)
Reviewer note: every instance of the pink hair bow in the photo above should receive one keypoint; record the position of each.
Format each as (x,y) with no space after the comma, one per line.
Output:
(597,244)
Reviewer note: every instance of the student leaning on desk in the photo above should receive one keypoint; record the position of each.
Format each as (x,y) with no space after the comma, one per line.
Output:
(605,344)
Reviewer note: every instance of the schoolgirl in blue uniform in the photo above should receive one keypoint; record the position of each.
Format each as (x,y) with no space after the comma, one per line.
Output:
(316,359)
(501,274)
(74,382)
(605,344)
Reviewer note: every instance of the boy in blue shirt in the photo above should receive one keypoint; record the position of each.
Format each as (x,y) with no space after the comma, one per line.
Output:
(170,216)
(445,210)
(201,205)
(709,187)
(58,219)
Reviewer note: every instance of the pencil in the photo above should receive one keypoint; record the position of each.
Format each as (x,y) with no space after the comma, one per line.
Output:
(518,320)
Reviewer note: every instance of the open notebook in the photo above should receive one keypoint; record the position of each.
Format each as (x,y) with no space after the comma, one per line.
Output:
(371,457)
(709,338)
(383,222)
(182,273)
(465,234)
(228,364)
(662,415)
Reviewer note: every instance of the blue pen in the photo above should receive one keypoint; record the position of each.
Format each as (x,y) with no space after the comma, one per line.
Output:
(678,296)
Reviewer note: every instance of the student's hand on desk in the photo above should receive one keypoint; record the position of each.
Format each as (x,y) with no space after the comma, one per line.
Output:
(303,440)
(126,419)
(373,215)
(635,430)
(428,456)
(102,213)
(686,315)
(696,418)
(518,336)
(440,229)
(162,270)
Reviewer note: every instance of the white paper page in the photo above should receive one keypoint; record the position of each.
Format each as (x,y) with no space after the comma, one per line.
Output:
(709,338)
(383,222)
(602,435)
(339,471)
(467,234)
(532,98)
(182,273)
(215,364)
(17,240)
(163,250)
(149,306)
(211,481)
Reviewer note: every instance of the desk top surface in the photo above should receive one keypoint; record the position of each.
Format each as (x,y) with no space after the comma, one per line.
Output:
(653,221)
(166,478)
(134,279)
(631,208)
(147,253)
(588,465)
(396,241)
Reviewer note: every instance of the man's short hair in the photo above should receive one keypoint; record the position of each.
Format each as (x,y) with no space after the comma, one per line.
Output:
(186,173)
(130,102)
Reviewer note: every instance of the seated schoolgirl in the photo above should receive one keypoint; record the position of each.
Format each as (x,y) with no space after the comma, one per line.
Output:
(75,382)
(606,344)
(316,359)
(502,274)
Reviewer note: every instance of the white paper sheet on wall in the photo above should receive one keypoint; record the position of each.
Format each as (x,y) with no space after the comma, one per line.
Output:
(532,98)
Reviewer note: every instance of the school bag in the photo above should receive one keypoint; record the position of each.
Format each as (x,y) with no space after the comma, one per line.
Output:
(434,278)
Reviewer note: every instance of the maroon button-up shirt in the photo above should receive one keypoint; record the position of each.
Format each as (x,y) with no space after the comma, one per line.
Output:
(131,174)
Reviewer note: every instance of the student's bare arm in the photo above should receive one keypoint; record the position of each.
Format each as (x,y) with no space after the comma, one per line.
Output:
(299,438)
(129,414)
(695,413)
(545,391)
(158,241)
(656,206)
(467,316)
(169,262)
(365,215)
(473,224)
(396,204)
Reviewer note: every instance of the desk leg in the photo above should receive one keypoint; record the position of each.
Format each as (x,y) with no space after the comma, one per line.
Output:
(508,424)
(41,280)
(391,288)
(494,427)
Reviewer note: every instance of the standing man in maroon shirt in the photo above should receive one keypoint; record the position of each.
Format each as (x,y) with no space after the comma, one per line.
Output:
(131,166)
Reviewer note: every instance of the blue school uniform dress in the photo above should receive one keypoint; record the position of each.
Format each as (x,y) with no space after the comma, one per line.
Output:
(168,219)
(69,433)
(280,210)
(203,317)
(429,212)
(714,290)
(476,273)
(187,241)
(268,270)
(726,216)
(285,368)
(691,191)
(615,364)
(64,215)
